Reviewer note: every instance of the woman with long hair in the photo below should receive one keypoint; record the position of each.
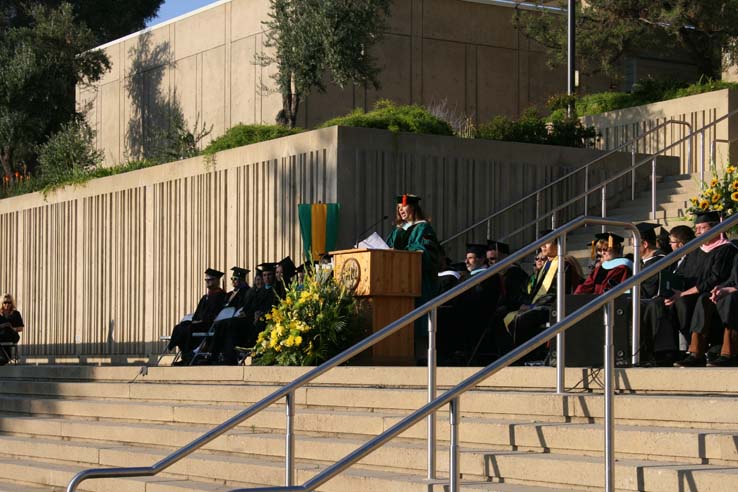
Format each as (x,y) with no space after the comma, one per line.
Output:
(11,324)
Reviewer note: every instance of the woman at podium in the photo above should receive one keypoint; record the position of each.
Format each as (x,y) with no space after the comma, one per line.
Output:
(413,232)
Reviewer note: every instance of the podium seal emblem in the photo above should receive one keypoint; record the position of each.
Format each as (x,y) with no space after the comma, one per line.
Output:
(351,274)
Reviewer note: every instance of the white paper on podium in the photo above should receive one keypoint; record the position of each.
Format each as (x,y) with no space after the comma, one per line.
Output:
(374,241)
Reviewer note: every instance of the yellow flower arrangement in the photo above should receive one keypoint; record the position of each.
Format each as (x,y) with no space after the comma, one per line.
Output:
(313,322)
(719,194)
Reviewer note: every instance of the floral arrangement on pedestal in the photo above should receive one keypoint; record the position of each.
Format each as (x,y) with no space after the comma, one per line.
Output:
(316,320)
(720,194)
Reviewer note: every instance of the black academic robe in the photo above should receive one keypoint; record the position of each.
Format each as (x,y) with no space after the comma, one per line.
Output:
(514,288)
(9,333)
(710,318)
(235,297)
(207,310)
(650,287)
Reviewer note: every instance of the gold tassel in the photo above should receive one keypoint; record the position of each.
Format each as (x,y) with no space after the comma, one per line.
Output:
(593,253)
(610,242)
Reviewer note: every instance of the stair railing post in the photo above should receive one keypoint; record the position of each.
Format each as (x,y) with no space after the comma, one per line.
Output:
(454,471)
(432,385)
(633,174)
(609,350)
(702,155)
(289,452)
(560,315)
(586,189)
(538,213)
(604,204)
(653,189)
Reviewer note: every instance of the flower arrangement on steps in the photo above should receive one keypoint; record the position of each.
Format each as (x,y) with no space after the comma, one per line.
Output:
(315,320)
(720,194)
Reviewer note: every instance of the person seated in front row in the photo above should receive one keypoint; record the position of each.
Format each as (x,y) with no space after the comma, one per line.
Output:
(611,271)
(650,253)
(716,314)
(222,329)
(207,310)
(529,320)
(513,287)
(659,339)
(11,324)
(715,260)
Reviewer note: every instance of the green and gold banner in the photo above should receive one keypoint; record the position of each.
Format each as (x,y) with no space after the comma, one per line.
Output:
(319,227)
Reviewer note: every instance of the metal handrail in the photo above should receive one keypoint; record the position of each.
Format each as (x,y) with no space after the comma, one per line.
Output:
(603,185)
(429,308)
(570,174)
(452,396)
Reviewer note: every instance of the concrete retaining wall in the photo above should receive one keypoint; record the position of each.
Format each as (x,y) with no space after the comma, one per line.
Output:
(108,267)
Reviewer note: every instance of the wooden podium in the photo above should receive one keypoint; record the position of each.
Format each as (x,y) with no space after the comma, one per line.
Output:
(386,281)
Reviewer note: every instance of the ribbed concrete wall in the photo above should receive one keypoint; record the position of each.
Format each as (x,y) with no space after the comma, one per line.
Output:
(111,266)
(621,126)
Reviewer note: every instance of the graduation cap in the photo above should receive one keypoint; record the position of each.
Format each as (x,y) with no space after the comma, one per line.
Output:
(611,238)
(498,246)
(408,199)
(267,267)
(647,230)
(709,216)
(239,272)
(212,273)
(307,265)
(479,250)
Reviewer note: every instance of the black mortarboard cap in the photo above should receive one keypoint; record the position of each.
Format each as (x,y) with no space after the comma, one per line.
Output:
(647,230)
(709,216)
(307,265)
(408,199)
(498,246)
(267,267)
(240,272)
(211,272)
(611,238)
(480,250)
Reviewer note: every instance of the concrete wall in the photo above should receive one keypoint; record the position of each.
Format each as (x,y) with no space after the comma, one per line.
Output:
(201,66)
(619,127)
(110,266)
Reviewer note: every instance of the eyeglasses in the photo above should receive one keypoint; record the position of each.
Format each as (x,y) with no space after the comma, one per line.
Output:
(540,259)
(7,302)
(207,279)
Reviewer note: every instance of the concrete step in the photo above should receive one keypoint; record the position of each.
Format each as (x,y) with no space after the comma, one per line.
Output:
(588,472)
(660,444)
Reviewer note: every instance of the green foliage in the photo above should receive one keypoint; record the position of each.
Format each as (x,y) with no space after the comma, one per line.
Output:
(69,151)
(241,135)
(315,321)
(645,92)
(610,30)
(316,39)
(42,62)
(388,116)
(532,128)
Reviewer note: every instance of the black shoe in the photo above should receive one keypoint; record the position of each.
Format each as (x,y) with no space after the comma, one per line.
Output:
(724,361)
(691,361)
(3,360)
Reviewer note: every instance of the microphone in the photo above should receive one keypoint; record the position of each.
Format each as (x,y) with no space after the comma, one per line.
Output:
(384,217)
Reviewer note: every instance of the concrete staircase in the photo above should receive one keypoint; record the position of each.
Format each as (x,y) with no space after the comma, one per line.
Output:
(676,429)
(672,201)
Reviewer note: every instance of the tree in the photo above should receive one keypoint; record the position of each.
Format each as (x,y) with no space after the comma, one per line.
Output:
(41,64)
(106,18)
(608,30)
(312,39)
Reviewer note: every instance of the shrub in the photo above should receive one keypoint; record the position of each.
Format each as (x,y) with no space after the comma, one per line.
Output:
(241,135)
(388,116)
(69,152)
(532,128)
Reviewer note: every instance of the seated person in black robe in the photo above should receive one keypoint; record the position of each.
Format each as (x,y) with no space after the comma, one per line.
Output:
(612,270)
(659,337)
(257,302)
(650,254)
(207,310)
(222,330)
(716,261)
(283,275)
(472,313)
(514,279)
(716,314)
(530,319)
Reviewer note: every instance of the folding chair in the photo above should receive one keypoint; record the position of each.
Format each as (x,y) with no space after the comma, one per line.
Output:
(205,336)
(168,338)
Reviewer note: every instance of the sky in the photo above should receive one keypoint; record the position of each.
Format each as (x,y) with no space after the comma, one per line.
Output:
(173,8)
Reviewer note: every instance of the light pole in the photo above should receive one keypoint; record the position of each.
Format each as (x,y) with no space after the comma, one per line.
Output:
(570,41)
